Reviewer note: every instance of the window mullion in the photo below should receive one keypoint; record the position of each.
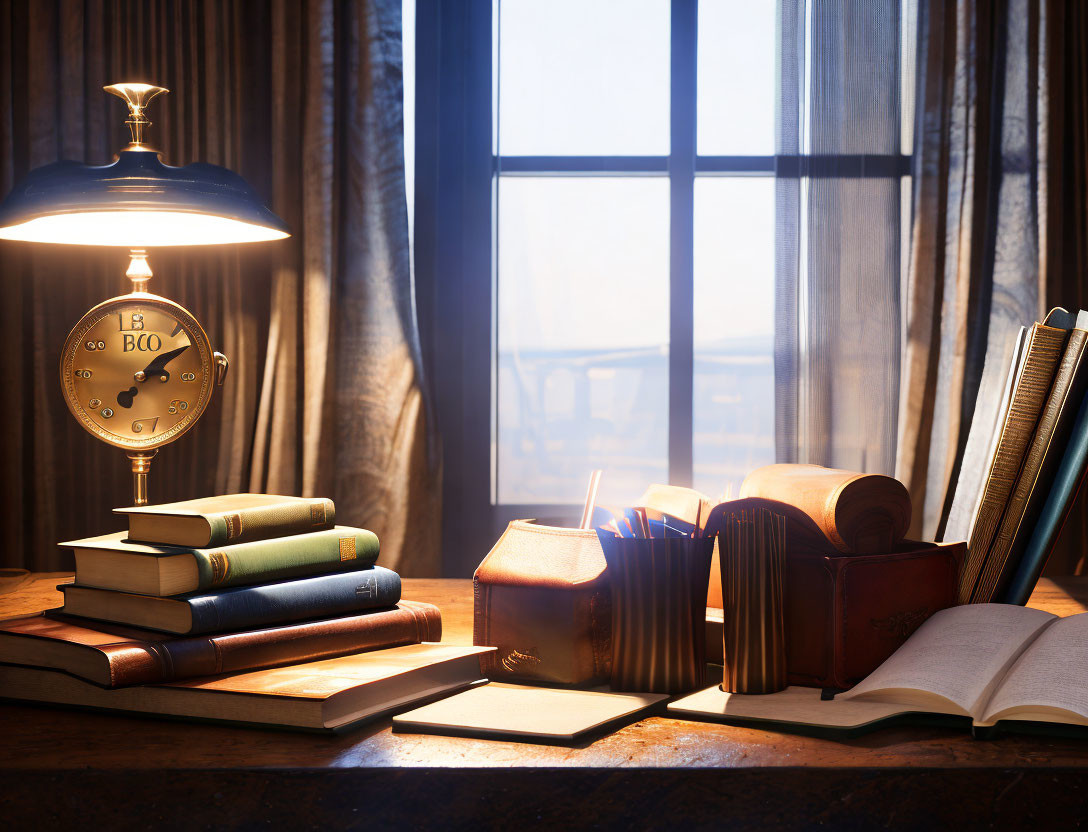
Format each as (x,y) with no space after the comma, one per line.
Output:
(684,37)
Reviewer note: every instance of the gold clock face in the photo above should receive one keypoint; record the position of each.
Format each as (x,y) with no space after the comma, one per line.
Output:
(137,370)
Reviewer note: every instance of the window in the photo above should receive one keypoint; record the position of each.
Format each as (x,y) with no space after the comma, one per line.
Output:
(595,249)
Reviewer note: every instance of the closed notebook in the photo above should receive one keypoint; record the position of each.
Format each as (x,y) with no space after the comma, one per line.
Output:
(113,562)
(230,518)
(243,608)
(991,406)
(332,694)
(114,655)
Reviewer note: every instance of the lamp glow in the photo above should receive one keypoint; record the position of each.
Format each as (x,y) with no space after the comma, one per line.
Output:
(139,229)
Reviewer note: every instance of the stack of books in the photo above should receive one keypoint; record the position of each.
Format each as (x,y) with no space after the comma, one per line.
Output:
(246,607)
(1024,461)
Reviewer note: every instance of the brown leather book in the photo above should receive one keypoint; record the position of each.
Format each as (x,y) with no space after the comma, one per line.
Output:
(1040,463)
(1032,389)
(327,695)
(858,513)
(117,656)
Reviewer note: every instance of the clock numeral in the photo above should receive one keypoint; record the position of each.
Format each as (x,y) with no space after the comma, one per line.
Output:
(188,376)
(177,406)
(136,321)
(94,404)
(95,345)
(106,413)
(151,422)
(82,373)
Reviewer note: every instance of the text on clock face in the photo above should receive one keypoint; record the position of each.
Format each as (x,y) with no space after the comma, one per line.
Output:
(144,342)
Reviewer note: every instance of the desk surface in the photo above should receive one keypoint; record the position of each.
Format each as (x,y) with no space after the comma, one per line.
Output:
(231,775)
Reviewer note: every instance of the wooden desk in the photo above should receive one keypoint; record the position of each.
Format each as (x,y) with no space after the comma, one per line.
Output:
(68,768)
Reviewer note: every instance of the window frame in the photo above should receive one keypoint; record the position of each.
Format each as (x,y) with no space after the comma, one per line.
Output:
(457,175)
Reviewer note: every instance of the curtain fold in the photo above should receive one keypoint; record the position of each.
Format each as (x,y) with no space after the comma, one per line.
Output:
(325,393)
(999,223)
(838,233)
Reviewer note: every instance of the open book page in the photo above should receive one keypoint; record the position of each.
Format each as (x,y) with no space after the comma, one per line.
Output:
(959,655)
(1051,674)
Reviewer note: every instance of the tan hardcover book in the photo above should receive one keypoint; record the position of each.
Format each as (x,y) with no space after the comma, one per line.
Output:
(332,694)
(858,513)
(228,519)
(1040,463)
(1044,352)
(113,655)
(524,712)
(985,665)
(686,504)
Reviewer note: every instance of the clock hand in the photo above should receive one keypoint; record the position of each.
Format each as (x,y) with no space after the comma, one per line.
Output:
(156,367)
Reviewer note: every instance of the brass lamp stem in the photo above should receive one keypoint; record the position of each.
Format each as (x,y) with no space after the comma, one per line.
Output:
(139,272)
(141,467)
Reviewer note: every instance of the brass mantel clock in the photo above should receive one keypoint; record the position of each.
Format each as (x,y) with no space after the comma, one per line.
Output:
(137,370)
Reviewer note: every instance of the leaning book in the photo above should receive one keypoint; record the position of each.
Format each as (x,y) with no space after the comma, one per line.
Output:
(111,561)
(114,655)
(328,695)
(990,667)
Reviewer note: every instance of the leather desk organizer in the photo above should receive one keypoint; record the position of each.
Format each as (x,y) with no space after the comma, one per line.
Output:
(845,614)
(541,596)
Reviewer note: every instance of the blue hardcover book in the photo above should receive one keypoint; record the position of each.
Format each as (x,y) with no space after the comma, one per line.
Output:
(1063,491)
(243,608)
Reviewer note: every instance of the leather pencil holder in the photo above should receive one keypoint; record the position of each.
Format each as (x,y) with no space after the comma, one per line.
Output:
(752,549)
(541,598)
(658,610)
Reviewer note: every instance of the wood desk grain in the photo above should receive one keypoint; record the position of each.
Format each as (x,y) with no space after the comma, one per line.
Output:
(63,767)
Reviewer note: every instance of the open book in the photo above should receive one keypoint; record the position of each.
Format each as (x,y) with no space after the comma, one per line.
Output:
(989,663)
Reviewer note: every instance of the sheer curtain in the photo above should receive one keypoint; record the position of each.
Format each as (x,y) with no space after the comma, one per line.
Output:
(838,213)
(325,391)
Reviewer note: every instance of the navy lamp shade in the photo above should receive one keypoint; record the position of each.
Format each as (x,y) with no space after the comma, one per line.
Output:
(136,201)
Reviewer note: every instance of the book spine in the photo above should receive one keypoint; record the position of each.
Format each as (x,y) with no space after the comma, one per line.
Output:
(262,522)
(1044,353)
(1051,434)
(333,550)
(1067,482)
(186,658)
(250,607)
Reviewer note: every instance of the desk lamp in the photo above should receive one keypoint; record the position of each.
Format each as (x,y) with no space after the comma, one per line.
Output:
(137,371)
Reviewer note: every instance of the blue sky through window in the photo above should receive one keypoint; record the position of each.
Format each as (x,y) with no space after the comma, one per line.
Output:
(583,262)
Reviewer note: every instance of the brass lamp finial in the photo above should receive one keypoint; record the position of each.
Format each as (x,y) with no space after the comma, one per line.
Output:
(137,96)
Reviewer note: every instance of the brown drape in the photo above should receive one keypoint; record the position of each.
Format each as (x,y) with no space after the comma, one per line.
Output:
(999,220)
(324,395)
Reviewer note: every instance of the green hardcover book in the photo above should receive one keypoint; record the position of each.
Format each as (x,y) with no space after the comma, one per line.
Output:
(228,519)
(113,562)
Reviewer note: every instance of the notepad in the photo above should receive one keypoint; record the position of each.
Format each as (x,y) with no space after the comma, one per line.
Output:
(526,713)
